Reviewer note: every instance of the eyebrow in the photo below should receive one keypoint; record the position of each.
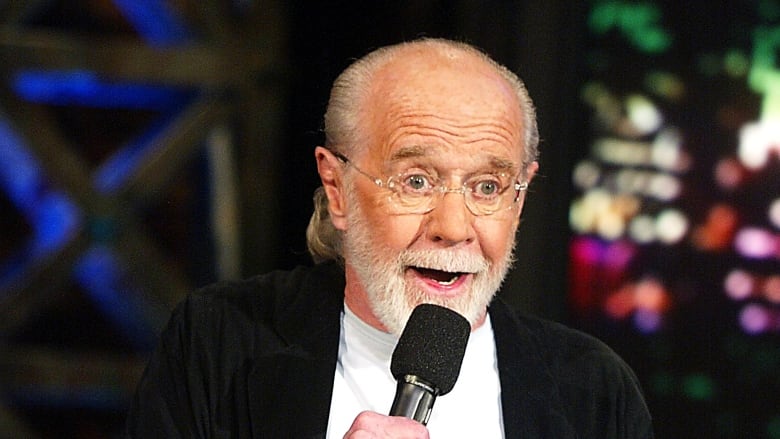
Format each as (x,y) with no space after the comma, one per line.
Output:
(409,152)
(416,151)
(502,164)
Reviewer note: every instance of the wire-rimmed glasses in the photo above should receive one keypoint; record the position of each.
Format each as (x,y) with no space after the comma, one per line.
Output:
(419,192)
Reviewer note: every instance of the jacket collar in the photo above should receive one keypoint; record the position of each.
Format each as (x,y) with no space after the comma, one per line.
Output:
(290,387)
(530,398)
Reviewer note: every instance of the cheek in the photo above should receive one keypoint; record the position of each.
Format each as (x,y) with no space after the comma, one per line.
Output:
(496,238)
(396,232)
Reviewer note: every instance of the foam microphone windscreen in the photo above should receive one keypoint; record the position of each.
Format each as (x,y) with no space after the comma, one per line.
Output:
(432,346)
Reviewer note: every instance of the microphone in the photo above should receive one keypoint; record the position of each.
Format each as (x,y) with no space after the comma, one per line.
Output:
(427,359)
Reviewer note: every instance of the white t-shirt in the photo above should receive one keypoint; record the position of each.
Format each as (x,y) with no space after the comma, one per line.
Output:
(363,382)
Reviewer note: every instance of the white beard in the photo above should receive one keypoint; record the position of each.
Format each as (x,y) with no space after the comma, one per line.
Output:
(381,273)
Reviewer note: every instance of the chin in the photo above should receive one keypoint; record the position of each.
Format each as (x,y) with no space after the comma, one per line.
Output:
(394,303)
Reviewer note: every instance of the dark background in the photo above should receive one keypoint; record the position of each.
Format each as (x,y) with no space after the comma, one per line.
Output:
(89,269)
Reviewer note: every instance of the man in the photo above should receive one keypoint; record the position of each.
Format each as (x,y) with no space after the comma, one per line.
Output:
(430,146)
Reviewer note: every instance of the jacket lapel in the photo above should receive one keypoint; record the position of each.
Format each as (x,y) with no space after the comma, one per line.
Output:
(290,387)
(290,395)
(530,401)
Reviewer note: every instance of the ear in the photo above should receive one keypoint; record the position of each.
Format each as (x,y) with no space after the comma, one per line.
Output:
(530,172)
(329,168)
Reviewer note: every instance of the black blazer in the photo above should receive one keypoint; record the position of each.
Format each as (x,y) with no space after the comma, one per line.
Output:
(257,358)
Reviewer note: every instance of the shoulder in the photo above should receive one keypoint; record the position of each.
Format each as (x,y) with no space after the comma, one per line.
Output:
(263,296)
(563,349)
(201,369)
(241,310)
(585,379)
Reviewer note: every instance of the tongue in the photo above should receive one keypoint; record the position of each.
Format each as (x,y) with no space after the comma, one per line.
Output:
(437,275)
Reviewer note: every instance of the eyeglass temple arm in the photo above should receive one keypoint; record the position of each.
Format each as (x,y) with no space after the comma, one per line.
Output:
(339,156)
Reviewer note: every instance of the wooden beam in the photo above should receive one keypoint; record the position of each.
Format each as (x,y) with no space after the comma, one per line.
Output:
(123,58)
(68,373)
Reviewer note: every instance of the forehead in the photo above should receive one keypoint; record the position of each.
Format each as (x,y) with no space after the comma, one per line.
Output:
(423,102)
(416,154)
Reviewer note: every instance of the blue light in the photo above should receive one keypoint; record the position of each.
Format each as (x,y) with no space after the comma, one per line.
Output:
(54,218)
(100,273)
(56,221)
(85,88)
(154,21)
(115,171)
(19,174)
(52,215)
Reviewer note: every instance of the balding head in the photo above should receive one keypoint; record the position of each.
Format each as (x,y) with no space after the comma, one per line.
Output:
(420,74)
(352,97)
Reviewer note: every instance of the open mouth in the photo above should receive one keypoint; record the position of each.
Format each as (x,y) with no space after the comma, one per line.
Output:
(443,278)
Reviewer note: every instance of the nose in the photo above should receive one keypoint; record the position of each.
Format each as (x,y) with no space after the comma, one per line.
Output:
(450,222)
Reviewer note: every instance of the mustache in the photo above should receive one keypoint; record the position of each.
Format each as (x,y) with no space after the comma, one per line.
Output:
(444,260)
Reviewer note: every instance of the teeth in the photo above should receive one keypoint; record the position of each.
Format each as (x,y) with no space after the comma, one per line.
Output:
(449,282)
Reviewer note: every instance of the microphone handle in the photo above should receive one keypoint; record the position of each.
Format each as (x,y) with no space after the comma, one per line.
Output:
(413,399)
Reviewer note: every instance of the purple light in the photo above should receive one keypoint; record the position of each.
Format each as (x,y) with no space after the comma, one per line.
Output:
(619,255)
(756,243)
(755,319)
(647,320)
(587,250)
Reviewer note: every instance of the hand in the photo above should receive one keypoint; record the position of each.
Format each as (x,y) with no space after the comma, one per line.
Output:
(372,425)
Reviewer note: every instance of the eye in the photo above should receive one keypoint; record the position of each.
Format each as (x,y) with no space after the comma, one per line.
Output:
(417,182)
(487,187)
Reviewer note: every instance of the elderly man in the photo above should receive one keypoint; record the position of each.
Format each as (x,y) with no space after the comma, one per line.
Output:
(430,146)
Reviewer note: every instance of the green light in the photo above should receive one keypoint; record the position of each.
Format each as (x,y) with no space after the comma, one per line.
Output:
(638,22)
(603,17)
(736,63)
(699,387)
(764,76)
(651,40)
(639,15)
